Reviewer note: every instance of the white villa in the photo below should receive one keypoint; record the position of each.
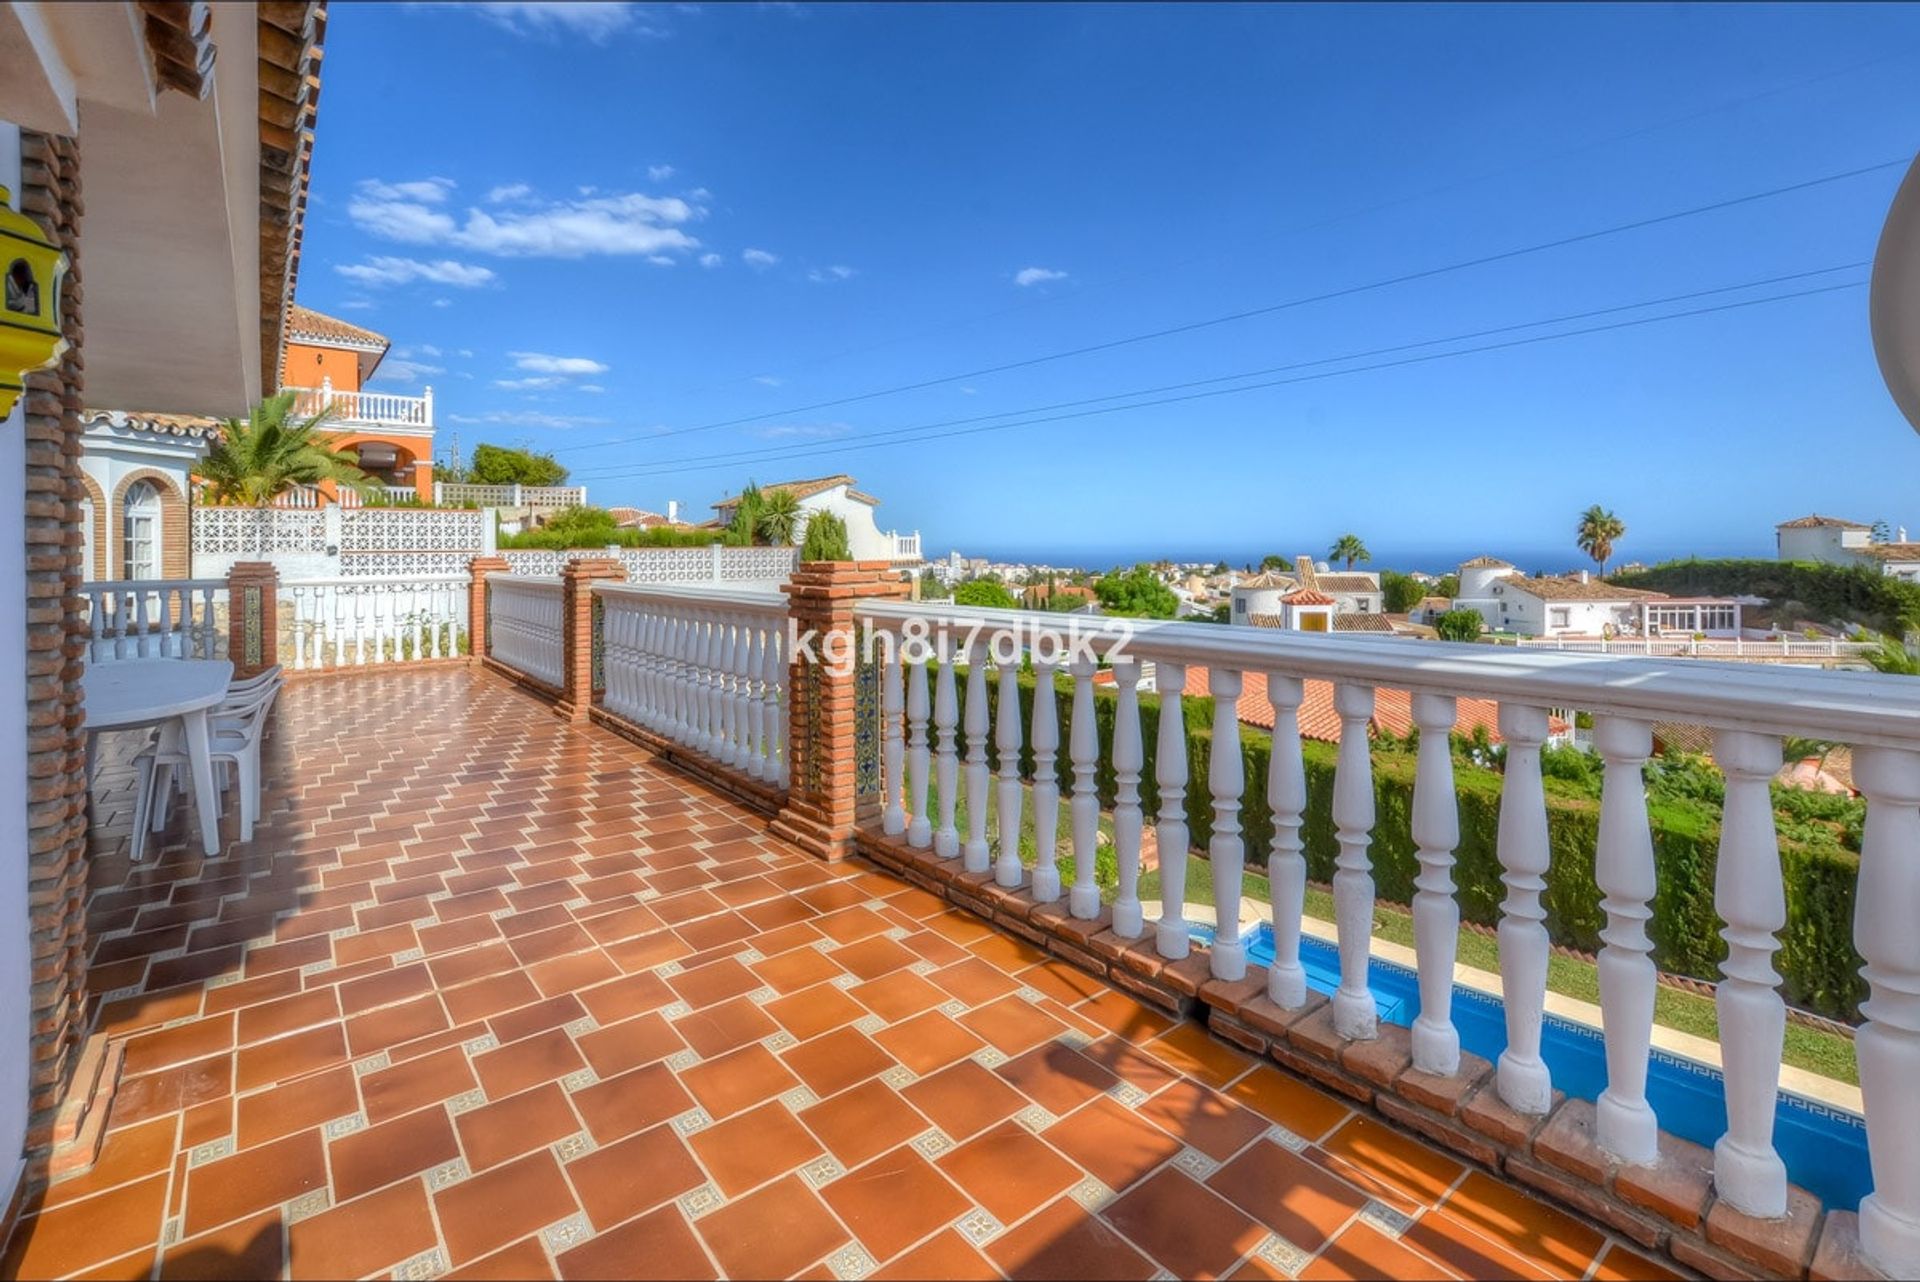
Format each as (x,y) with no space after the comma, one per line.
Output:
(836,494)
(1831,540)
(137,472)
(1579,605)
(1351,592)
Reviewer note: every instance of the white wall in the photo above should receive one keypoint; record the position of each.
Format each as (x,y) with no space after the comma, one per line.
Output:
(1824,543)
(15,946)
(864,538)
(1248,602)
(1532,617)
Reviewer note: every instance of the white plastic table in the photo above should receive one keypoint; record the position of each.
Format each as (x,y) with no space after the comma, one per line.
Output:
(124,694)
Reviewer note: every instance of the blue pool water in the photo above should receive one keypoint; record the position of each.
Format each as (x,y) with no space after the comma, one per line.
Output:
(1825,1148)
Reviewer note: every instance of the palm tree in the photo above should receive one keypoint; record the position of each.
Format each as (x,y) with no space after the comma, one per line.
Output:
(1596,534)
(270,452)
(1349,549)
(1893,656)
(779,517)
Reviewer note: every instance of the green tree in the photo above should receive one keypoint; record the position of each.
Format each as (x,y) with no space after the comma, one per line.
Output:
(779,518)
(826,539)
(1399,592)
(1136,593)
(985,593)
(270,452)
(931,588)
(743,530)
(1448,586)
(500,465)
(1283,564)
(1894,657)
(1458,625)
(1347,549)
(1596,534)
(582,527)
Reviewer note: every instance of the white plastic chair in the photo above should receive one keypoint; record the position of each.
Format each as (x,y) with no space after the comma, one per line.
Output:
(237,727)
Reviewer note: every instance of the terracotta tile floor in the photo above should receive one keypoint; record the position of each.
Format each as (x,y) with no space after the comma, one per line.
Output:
(490,995)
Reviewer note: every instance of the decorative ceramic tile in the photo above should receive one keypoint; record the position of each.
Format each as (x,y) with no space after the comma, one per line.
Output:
(1091,1193)
(701,1200)
(315,968)
(846,981)
(307,1205)
(680,1061)
(953,1009)
(1282,1255)
(668,969)
(823,944)
(988,1057)
(896,933)
(1385,1218)
(851,1263)
(1035,1118)
(899,1076)
(798,1098)
(870,1024)
(576,1145)
(761,996)
(1074,1039)
(822,1170)
(212,1151)
(1286,1139)
(481,1044)
(779,1041)
(466,1101)
(499,913)
(567,1234)
(747,956)
(648,895)
(694,1119)
(1195,1163)
(1032,994)
(923,967)
(1161,1275)
(579,1081)
(581,1027)
(447,1173)
(422,1267)
(676,1010)
(346,1125)
(170,1231)
(1127,1094)
(223,980)
(410,955)
(372,1064)
(932,1143)
(979,1227)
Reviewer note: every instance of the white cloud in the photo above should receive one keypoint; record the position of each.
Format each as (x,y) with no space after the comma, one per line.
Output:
(528,418)
(443,302)
(509,191)
(534,383)
(659,173)
(428,349)
(386,270)
(811,431)
(758,258)
(711,260)
(539,363)
(768,380)
(590,387)
(595,22)
(465,352)
(969,391)
(1037,276)
(661,260)
(824,275)
(594,223)
(359,305)
(397,369)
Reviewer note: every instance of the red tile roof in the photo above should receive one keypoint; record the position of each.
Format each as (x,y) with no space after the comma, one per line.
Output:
(806,489)
(1307,596)
(1362,623)
(304,322)
(1816,521)
(1392,709)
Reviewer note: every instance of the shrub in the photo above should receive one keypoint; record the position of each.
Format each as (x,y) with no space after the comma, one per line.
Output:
(1458,625)
(826,539)
(987,593)
(1855,593)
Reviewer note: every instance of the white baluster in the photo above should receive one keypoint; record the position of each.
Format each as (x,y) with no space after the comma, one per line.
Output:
(1286,865)
(1084,746)
(1226,850)
(746,700)
(725,727)
(893,750)
(1356,1015)
(1170,937)
(1046,780)
(1522,1080)
(1436,916)
(1888,1043)
(1623,866)
(1128,756)
(1007,870)
(754,712)
(920,827)
(978,858)
(778,749)
(946,762)
(1750,896)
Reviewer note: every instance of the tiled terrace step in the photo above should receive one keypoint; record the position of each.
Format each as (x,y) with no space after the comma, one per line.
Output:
(1669,1207)
(81,1123)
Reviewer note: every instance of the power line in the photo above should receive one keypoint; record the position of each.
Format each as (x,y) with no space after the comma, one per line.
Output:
(1268,309)
(768,453)
(812,452)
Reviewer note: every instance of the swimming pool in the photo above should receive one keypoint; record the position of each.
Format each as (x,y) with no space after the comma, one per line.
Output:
(1825,1148)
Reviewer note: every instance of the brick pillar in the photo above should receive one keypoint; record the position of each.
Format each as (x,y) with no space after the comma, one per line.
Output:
(832,765)
(253,617)
(580,637)
(480,567)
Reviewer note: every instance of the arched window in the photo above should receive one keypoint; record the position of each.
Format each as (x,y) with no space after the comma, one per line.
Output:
(141,531)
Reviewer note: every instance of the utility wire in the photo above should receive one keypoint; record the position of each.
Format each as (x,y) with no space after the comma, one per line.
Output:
(814,452)
(1266,310)
(765,453)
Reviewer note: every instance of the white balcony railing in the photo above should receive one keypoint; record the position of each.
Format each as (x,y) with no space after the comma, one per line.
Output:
(352,622)
(1750,709)
(383,409)
(906,547)
(537,498)
(156,619)
(702,667)
(389,493)
(1784,648)
(525,629)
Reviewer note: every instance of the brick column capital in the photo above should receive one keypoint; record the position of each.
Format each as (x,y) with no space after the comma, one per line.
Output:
(579,637)
(479,568)
(824,797)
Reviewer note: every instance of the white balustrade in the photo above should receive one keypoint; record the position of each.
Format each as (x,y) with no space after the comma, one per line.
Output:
(702,667)
(1751,709)
(524,626)
(389,409)
(1046,783)
(1007,870)
(893,742)
(155,619)
(920,826)
(352,622)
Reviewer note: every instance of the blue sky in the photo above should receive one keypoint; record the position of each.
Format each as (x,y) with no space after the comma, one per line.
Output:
(602,230)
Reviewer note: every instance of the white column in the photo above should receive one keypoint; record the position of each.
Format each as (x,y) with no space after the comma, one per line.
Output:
(1436,917)
(1356,1015)
(946,765)
(1623,865)
(1128,756)
(1084,746)
(1007,870)
(1888,1043)
(725,725)
(1226,851)
(1170,937)
(978,857)
(893,819)
(1750,896)
(1522,1075)
(1286,866)
(920,827)
(1046,785)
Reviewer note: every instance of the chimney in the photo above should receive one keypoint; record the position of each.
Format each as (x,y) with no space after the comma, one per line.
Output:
(673,511)
(1902,534)
(1585,577)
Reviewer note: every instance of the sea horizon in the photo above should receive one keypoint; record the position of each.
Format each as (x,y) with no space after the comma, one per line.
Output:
(1432,560)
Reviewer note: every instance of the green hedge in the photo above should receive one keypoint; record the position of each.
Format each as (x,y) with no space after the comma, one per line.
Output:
(1817,957)
(1855,593)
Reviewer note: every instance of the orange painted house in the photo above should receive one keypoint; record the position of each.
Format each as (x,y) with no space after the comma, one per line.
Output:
(329,362)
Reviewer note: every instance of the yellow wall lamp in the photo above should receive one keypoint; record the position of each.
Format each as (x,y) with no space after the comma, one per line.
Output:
(32,268)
